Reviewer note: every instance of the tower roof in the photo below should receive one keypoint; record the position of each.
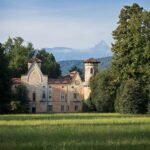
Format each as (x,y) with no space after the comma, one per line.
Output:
(35,59)
(91,60)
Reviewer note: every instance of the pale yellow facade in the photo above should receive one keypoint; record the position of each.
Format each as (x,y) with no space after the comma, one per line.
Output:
(65,94)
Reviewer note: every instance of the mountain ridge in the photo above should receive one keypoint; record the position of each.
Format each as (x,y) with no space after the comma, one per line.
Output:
(99,50)
(66,65)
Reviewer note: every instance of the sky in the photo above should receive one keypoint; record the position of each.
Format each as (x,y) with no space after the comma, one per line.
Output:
(62,23)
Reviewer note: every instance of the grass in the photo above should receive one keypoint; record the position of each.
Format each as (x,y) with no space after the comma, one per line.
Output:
(75,132)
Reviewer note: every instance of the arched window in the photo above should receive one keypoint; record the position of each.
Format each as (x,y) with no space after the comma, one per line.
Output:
(92,71)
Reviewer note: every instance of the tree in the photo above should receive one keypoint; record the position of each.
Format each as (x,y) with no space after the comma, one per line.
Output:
(131,48)
(131,98)
(75,68)
(18,54)
(102,91)
(20,102)
(5,81)
(49,64)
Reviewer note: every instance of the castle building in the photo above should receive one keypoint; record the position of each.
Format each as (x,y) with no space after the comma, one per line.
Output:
(64,94)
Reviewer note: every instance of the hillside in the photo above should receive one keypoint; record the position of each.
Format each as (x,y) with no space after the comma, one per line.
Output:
(68,64)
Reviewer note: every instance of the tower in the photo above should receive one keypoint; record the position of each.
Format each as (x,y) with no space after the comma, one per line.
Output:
(91,68)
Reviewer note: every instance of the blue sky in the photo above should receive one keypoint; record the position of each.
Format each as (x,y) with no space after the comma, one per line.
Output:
(67,23)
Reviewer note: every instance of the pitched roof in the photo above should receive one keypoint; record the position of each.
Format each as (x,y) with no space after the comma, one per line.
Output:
(35,59)
(91,60)
(60,80)
(63,80)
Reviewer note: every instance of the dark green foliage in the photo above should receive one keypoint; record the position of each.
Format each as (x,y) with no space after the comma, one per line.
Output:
(102,91)
(49,64)
(131,57)
(131,48)
(75,68)
(18,54)
(131,98)
(20,102)
(5,81)
(88,105)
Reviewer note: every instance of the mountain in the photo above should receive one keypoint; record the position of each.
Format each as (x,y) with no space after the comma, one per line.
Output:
(64,53)
(68,64)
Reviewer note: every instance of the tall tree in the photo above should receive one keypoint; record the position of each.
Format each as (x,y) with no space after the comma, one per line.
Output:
(5,81)
(131,49)
(18,54)
(102,91)
(49,64)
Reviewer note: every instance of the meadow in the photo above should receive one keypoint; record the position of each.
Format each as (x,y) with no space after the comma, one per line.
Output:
(78,131)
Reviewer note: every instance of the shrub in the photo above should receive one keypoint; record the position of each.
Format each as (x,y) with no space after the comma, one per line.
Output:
(131,98)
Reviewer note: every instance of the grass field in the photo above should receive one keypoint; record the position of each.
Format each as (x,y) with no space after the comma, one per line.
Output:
(83,131)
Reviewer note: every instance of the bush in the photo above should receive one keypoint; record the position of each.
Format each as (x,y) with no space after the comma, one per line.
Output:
(21,102)
(131,98)
(102,91)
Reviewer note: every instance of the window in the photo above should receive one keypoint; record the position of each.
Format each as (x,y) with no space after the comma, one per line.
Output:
(62,108)
(75,95)
(34,96)
(43,96)
(67,107)
(50,95)
(50,108)
(76,108)
(62,96)
(91,71)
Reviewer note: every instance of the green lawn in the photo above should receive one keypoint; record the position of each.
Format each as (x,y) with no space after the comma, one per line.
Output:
(82,131)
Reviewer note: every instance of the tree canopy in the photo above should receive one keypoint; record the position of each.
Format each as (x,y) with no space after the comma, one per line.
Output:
(5,81)
(102,91)
(49,64)
(131,49)
(131,58)
(18,54)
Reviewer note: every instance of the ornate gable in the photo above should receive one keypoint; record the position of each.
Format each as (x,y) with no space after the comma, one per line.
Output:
(34,75)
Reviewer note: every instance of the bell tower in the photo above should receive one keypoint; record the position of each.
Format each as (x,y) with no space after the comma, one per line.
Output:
(91,68)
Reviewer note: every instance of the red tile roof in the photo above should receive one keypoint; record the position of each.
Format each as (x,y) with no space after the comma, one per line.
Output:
(60,80)
(63,80)
(16,80)
(91,60)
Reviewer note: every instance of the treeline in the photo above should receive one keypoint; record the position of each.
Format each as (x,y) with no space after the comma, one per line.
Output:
(126,87)
(14,57)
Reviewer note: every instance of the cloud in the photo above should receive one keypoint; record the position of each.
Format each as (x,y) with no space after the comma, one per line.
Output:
(51,32)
